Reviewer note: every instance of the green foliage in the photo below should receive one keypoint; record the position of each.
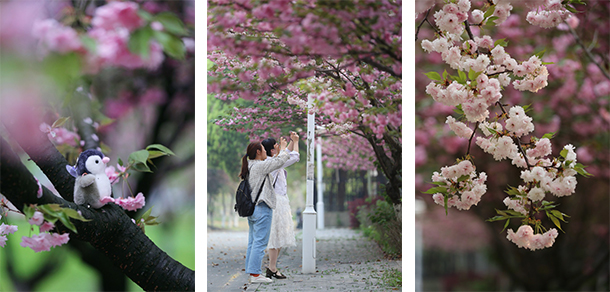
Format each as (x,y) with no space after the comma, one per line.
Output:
(139,42)
(53,212)
(434,76)
(379,222)
(169,37)
(225,148)
(138,160)
(146,219)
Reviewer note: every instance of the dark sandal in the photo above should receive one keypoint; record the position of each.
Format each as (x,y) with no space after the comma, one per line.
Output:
(276,275)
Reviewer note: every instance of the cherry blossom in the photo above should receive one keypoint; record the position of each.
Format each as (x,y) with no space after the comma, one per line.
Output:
(525,238)
(485,69)
(44,241)
(36,219)
(129,204)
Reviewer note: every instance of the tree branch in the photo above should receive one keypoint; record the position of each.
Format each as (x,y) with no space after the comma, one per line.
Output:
(422,23)
(587,51)
(110,231)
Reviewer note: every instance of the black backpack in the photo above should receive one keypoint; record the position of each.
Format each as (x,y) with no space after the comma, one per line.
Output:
(243,197)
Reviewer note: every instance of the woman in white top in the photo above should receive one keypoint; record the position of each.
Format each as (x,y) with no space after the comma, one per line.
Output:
(282,226)
(256,169)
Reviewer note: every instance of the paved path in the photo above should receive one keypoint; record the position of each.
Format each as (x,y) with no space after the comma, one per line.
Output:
(346,261)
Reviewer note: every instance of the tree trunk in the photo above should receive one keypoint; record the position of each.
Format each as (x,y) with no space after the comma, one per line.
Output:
(341,189)
(110,230)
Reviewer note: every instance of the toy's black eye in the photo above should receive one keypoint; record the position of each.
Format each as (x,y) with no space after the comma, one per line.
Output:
(97,161)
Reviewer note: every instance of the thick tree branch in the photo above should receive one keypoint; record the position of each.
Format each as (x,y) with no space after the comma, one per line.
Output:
(49,160)
(110,231)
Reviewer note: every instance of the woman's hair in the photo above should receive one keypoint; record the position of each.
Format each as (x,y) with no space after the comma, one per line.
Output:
(268,143)
(250,154)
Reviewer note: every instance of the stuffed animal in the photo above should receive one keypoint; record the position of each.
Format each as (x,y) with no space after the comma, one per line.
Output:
(92,183)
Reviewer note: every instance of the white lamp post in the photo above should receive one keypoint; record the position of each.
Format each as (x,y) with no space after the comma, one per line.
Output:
(320,203)
(309,214)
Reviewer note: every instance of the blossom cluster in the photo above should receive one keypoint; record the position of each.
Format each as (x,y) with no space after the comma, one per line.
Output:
(44,240)
(503,146)
(459,178)
(560,179)
(112,25)
(525,238)
(61,135)
(549,14)
(484,68)
(114,174)
(452,15)
(129,204)
(4,230)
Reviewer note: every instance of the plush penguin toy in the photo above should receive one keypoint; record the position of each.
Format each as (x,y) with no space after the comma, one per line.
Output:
(92,183)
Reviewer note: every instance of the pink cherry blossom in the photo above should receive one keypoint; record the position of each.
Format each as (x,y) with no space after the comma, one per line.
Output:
(36,219)
(38,242)
(131,203)
(7,229)
(116,15)
(46,226)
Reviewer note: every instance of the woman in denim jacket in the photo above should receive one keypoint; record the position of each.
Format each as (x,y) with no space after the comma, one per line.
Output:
(256,169)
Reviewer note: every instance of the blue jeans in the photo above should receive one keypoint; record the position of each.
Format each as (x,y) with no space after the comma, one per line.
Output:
(258,237)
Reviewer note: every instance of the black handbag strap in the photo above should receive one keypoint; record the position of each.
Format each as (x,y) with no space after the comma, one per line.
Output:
(260,190)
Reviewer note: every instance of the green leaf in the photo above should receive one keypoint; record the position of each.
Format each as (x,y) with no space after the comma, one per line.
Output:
(141,167)
(161,148)
(434,75)
(139,156)
(445,200)
(458,110)
(463,178)
(489,11)
(60,122)
(496,218)
(139,42)
(490,21)
(120,162)
(462,76)
(28,211)
(501,42)
(138,160)
(145,15)
(445,75)
(558,215)
(65,220)
(74,214)
(472,75)
(171,23)
(505,225)
(547,63)
(540,54)
(434,190)
(172,45)
(152,154)
(549,135)
(580,169)
(554,220)
(563,153)
(147,213)
(571,8)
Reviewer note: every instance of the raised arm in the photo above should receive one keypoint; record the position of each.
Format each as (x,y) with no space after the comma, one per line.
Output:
(294,152)
(269,165)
